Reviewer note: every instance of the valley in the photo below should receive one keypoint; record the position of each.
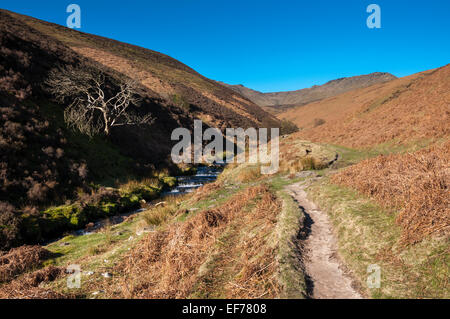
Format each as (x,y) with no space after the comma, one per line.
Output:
(363,182)
(277,102)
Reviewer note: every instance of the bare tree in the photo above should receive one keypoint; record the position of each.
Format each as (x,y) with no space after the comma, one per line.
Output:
(91,109)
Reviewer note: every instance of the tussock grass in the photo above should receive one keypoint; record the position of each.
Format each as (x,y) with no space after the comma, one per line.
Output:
(134,185)
(299,155)
(249,174)
(160,214)
(312,163)
(96,250)
(166,263)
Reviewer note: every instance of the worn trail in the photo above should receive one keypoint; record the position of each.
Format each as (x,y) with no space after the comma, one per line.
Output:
(327,280)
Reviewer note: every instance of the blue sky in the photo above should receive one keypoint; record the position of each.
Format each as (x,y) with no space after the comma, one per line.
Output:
(270,45)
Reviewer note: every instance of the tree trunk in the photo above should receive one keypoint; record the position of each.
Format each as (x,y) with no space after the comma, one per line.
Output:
(105,117)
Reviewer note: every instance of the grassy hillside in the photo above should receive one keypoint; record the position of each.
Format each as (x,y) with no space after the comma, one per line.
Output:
(404,110)
(240,237)
(280,101)
(236,238)
(377,165)
(45,164)
(164,77)
(390,207)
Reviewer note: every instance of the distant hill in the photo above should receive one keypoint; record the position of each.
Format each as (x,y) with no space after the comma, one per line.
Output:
(411,108)
(283,100)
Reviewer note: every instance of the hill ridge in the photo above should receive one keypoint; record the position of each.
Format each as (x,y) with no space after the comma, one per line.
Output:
(414,107)
(199,96)
(285,99)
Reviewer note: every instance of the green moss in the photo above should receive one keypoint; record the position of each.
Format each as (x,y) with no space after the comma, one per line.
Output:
(140,192)
(186,170)
(129,200)
(54,221)
(169,181)
(110,208)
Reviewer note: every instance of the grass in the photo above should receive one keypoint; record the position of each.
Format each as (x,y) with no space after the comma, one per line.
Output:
(414,183)
(76,248)
(250,173)
(54,221)
(349,156)
(162,213)
(147,188)
(229,242)
(300,155)
(368,234)
(243,260)
(252,254)
(182,248)
(97,252)
(291,274)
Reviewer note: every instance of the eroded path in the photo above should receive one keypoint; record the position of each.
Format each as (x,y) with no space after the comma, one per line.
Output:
(326,275)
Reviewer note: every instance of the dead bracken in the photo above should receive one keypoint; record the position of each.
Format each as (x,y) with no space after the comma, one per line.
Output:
(417,184)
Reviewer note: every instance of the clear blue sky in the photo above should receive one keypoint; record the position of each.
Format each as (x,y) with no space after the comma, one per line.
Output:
(274,45)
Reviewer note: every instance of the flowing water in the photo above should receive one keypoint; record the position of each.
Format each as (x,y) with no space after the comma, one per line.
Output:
(186,184)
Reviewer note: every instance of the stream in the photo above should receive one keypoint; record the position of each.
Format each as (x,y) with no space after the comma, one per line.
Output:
(186,184)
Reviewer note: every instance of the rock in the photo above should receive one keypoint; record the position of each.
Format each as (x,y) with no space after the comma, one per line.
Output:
(305,174)
(64,244)
(143,202)
(90,225)
(160,203)
(131,238)
(143,231)
(107,275)
(88,273)
(95,293)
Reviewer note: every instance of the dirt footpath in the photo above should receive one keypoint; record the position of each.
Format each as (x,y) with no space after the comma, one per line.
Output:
(327,279)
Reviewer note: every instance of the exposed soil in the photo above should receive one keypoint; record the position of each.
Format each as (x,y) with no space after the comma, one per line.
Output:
(325,275)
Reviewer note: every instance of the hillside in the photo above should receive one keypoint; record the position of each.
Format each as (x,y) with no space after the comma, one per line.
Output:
(279,101)
(43,162)
(390,206)
(362,186)
(407,109)
(164,77)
